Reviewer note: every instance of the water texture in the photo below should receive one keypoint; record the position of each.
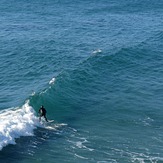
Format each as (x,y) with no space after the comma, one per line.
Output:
(96,66)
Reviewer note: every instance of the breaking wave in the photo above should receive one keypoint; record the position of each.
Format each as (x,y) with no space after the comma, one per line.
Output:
(16,122)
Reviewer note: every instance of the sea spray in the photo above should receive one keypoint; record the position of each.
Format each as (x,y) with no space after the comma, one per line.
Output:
(16,122)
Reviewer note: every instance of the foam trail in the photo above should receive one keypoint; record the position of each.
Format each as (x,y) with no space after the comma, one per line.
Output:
(16,122)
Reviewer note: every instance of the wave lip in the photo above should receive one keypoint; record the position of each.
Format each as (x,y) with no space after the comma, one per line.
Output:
(16,122)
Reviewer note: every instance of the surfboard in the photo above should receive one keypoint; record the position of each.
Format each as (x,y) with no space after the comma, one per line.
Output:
(50,121)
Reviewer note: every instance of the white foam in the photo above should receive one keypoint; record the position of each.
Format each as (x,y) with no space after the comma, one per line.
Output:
(53,126)
(81,156)
(143,158)
(97,51)
(16,122)
(52,81)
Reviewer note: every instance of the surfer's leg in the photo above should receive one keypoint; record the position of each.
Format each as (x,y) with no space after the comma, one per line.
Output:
(45,118)
(40,117)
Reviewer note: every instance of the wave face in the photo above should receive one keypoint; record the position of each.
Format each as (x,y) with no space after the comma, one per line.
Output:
(96,66)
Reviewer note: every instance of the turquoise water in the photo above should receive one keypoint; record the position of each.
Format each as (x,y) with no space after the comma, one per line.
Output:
(96,66)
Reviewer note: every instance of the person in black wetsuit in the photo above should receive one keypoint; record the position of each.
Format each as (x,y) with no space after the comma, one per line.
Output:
(42,112)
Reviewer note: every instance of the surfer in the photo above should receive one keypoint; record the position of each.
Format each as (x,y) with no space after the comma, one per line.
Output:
(42,112)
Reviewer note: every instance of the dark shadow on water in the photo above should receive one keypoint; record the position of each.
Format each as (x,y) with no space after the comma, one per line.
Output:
(27,147)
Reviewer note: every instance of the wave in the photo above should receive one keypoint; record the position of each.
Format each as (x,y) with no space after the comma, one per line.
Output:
(21,121)
(66,92)
(17,122)
(64,95)
(100,70)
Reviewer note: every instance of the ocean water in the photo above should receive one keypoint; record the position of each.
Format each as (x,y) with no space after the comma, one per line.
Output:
(96,66)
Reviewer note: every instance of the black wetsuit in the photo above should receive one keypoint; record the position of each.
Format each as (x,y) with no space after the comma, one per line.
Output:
(42,112)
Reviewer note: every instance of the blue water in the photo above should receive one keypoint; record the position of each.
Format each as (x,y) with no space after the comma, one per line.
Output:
(96,66)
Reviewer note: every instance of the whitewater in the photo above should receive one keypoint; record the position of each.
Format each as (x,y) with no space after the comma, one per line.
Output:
(96,66)
(21,121)
(16,122)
